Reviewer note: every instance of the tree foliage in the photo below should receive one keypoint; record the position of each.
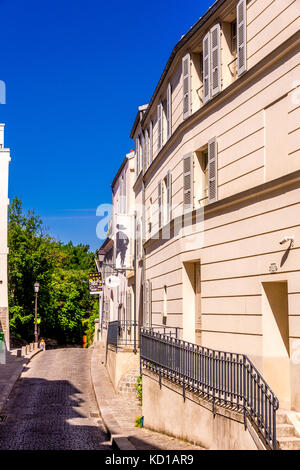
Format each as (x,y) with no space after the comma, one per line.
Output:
(64,302)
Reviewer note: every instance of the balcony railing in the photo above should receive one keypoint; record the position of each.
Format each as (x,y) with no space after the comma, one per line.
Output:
(222,377)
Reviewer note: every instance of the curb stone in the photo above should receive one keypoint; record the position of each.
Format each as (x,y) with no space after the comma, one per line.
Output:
(119,441)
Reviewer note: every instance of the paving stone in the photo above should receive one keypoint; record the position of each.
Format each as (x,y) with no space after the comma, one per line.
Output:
(119,412)
(52,406)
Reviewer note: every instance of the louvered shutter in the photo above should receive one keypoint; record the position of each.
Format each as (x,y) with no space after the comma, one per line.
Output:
(159,126)
(169,196)
(141,238)
(186,85)
(151,142)
(241,25)
(212,170)
(159,204)
(169,111)
(146,150)
(215,60)
(206,68)
(142,150)
(137,156)
(138,239)
(188,182)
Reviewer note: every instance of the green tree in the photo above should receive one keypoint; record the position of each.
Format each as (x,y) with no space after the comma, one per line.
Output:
(62,271)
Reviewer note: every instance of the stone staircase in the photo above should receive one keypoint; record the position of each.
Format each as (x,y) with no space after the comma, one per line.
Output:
(288,430)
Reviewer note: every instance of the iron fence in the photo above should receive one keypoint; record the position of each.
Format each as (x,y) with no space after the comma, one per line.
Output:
(222,377)
(121,333)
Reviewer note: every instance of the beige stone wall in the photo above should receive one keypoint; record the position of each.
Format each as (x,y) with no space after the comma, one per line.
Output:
(120,363)
(192,419)
(256,123)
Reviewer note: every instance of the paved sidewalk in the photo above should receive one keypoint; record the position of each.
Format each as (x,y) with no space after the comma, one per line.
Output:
(11,371)
(119,414)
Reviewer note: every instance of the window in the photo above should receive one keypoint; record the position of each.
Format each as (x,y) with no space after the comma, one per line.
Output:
(234,43)
(150,142)
(201,177)
(137,155)
(123,194)
(188,182)
(150,216)
(186,85)
(233,38)
(241,37)
(164,200)
(211,63)
(160,126)
(212,170)
(146,149)
(169,111)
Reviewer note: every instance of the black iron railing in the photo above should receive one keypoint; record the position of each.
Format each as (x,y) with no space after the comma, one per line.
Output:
(121,333)
(173,331)
(222,377)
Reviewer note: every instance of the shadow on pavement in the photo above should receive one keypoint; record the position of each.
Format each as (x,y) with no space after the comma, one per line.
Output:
(49,415)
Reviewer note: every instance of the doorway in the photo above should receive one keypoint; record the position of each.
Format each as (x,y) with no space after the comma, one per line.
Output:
(276,350)
(192,301)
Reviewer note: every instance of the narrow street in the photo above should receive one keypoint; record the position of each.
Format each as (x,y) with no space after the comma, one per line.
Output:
(52,406)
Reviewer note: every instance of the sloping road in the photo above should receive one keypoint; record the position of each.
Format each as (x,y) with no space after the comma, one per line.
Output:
(52,406)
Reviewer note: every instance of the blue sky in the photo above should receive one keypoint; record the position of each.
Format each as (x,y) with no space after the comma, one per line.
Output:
(75,73)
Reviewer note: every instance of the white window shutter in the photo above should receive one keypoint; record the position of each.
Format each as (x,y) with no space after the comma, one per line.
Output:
(212,170)
(142,150)
(137,240)
(186,86)
(241,25)
(146,150)
(151,142)
(188,182)
(137,156)
(159,204)
(169,111)
(206,68)
(141,237)
(148,147)
(169,196)
(215,43)
(159,126)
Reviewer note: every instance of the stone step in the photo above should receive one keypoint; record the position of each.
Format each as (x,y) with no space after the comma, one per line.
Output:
(289,443)
(285,430)
(281,417)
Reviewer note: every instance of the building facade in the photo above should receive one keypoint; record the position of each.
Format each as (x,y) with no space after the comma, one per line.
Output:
(217,163)
(4,201)
(118,302)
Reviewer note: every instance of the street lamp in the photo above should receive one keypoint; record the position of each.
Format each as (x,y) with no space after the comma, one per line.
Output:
(36,289)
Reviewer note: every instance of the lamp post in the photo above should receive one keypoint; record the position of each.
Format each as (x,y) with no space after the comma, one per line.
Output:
(36,289)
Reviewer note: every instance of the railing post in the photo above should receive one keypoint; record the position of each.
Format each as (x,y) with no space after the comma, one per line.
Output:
(244,391)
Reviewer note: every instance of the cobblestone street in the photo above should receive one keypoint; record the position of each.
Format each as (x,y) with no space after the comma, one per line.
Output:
(53,407)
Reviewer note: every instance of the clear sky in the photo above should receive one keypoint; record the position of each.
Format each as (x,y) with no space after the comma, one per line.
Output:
(75,73)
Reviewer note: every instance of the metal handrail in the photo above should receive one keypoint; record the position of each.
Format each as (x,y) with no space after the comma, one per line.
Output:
(225,378)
